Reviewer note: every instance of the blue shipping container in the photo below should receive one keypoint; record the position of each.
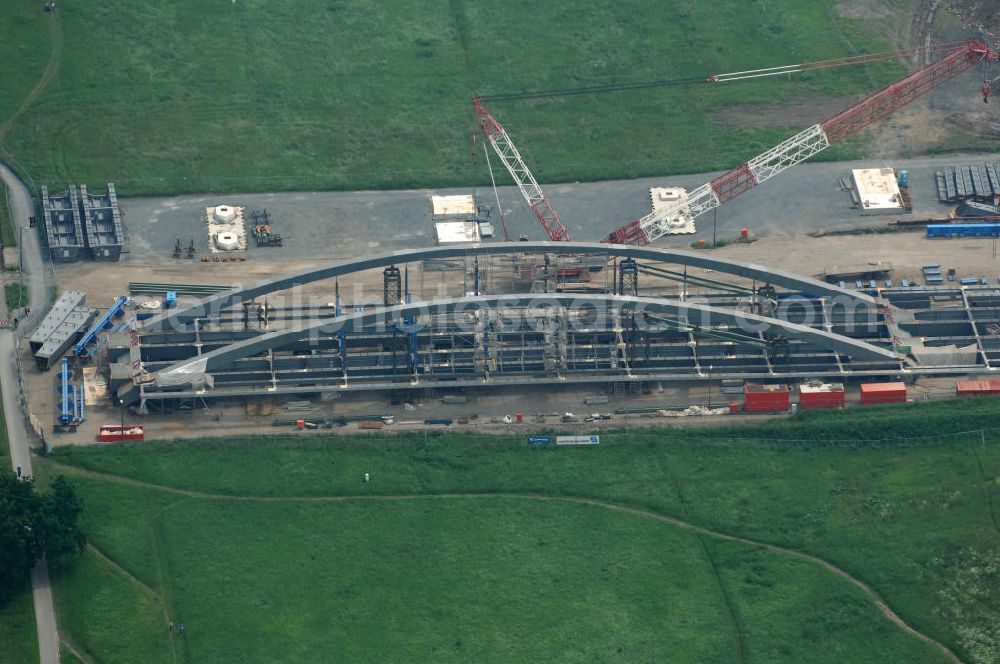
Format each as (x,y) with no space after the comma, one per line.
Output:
(963,230)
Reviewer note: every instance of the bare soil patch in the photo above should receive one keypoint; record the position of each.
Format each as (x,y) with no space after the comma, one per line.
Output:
(983,16)
(986,125)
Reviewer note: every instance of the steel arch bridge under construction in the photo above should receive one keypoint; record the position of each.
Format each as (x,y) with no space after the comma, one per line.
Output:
(760,273)
(517,338)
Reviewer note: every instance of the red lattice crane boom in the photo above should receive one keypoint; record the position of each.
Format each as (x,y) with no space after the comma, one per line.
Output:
(526,183)
(809,142)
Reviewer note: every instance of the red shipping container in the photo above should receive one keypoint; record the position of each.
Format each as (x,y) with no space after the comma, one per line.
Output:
(827,395)
(765,398)
(872,393)
(975,388)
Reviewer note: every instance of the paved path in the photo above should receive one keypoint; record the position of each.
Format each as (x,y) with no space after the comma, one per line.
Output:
(36,276)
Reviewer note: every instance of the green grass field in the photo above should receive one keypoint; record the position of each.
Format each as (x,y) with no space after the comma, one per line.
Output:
(258,95)
(24,52)
(17,630)
(475,579)
(247,542)
(15,296)
(8,238)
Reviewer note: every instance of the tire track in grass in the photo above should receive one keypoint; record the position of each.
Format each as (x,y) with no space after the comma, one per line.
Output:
(76,653)
(457,10)
(727,600)
(122,572)
(55,55)
(131,579)
(165,602)
(875,598)
(988,482)
(831,16)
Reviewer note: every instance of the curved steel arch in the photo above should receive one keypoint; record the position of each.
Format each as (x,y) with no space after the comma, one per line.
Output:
(215,303)
(193,370)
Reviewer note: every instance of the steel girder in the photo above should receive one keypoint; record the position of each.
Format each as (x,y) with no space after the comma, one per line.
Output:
(195,370)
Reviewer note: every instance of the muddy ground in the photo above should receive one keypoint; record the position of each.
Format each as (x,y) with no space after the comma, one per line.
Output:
(953,114)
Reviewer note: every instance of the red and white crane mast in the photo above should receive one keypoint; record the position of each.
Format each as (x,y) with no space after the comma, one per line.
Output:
(526,183)
(807,143)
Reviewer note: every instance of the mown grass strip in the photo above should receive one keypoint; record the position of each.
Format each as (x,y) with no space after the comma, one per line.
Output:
(15,295)
(7,235)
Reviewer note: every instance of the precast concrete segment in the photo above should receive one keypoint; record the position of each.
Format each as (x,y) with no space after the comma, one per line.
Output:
(192,370)
(213,304)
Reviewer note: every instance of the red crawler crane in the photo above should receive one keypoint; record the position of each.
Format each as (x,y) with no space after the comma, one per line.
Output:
(511,158)
(811,141)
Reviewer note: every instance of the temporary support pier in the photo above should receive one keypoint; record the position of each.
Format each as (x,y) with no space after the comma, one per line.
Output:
(63,228)
(102,223)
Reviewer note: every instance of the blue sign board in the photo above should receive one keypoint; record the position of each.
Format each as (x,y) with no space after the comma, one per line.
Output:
(539,440)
